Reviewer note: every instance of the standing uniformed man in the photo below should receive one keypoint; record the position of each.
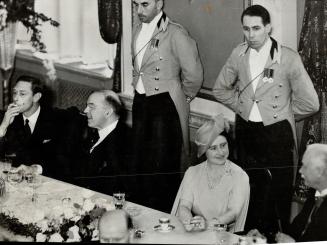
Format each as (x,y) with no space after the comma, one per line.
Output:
(167,76)
(266,85)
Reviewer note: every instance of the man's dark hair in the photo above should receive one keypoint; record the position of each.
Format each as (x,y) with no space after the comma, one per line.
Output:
(113,100)
(37,85)
(117,106)
(257,10)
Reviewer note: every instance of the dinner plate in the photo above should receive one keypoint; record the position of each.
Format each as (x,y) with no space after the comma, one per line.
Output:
(159,228)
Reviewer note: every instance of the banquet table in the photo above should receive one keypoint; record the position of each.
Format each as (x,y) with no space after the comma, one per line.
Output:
(51,193)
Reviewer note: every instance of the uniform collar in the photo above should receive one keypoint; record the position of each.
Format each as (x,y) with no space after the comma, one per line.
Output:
(275,50)
(163,22)
(154,21)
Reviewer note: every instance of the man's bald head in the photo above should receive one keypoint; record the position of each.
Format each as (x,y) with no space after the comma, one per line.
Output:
(314,168)
(114,227)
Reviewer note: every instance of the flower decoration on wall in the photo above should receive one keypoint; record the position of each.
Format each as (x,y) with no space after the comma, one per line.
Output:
(23,11)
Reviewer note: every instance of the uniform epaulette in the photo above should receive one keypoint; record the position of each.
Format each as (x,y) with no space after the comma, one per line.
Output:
(243,44)
(176,24)
(242,48)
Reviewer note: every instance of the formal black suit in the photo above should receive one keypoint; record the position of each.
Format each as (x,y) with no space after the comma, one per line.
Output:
(317,229)
(107,168)
(41,147)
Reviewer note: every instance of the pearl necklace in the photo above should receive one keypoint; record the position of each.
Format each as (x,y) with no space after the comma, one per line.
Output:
(211,182)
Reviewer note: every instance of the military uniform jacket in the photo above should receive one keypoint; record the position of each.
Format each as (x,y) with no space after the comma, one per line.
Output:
(170,64)
(284,90)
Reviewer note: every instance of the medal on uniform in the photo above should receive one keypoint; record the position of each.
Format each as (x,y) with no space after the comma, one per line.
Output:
(268,75)
(154,43)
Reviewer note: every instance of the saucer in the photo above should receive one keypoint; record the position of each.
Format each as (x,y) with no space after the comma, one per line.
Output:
(159,228)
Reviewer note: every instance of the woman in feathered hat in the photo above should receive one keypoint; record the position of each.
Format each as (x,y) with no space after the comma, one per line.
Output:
(215,192)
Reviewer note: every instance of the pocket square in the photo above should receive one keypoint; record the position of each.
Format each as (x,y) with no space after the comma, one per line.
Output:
(46,141)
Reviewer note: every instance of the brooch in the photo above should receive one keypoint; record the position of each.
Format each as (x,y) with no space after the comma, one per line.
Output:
(268,75)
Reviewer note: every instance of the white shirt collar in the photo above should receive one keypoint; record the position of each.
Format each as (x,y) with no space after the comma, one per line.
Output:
(153,22)
(265,49)
(321,194)
(33,118)
(104,132)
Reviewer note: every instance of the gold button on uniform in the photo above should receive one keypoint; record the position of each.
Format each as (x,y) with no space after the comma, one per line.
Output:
(156,89)
(157,69)
(156,78)
(275,116)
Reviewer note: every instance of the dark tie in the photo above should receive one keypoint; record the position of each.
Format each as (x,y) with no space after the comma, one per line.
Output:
(94,137)
(318,201)
(27,128)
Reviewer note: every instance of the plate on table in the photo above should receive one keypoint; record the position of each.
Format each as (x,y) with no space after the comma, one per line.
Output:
(160,229)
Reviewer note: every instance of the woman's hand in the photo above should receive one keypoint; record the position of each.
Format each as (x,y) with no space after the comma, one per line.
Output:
(198,223)
(283,238)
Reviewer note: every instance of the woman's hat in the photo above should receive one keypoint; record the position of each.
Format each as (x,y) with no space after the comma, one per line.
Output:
(209,131)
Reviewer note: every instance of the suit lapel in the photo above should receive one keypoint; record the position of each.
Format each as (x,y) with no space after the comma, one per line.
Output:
(136,34)
(151,47)
(245,62)
(40,122)
(18,124)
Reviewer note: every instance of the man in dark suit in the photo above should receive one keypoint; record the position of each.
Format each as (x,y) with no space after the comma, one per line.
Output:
(311,223)
(29,133)
(104,160)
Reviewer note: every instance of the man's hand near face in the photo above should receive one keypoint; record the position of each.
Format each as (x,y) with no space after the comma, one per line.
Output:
(12,111)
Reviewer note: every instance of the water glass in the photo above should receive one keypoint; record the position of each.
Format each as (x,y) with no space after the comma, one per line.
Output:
(29,177)
(119,200)
(2,187)
(37,182)
(5,167)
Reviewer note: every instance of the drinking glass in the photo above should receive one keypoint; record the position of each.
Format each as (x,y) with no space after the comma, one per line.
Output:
(119,200)
(15,176)
(36,183)
(2,192)
(5,167)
